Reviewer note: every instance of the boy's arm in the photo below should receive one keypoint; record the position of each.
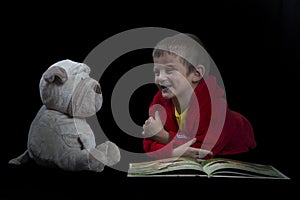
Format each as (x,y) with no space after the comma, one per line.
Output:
(157,150)
(236,136)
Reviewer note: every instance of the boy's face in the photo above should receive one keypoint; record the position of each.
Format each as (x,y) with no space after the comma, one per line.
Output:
(171,76)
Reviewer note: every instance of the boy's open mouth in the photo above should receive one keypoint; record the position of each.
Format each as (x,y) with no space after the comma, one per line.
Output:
(164,88)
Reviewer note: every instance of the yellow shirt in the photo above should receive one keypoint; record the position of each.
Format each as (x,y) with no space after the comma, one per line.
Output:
(181,119)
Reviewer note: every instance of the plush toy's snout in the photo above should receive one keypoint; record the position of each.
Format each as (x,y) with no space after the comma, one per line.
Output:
(86,99)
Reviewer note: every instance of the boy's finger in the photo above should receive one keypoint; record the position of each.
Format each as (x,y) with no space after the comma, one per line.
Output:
(157,117)
(199,160)
(147,122)
(204,151)
(193,141)
(189,143)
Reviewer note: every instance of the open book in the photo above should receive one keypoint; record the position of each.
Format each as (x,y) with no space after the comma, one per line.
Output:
(215,167)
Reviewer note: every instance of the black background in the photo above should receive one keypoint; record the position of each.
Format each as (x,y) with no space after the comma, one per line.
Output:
(255,45)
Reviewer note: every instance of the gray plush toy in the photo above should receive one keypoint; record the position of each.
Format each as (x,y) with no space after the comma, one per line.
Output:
(59,136)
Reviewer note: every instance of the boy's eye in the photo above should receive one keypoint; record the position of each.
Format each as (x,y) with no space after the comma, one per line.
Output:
(169,71)
(156,73)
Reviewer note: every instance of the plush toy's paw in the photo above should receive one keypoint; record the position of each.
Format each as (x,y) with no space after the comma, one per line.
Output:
(111,151)
(107,153)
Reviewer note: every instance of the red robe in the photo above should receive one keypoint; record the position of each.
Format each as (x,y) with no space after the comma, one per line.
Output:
(219,130)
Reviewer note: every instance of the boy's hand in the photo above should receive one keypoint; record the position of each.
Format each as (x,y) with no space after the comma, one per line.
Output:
(188,151)
(153,128)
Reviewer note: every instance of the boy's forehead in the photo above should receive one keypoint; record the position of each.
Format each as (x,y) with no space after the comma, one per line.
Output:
(166,65)
(166,59)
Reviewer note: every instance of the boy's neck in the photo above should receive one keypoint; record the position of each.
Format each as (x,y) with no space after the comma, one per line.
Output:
(182,103)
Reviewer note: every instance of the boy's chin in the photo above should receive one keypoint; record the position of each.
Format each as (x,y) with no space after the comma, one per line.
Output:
(167,95)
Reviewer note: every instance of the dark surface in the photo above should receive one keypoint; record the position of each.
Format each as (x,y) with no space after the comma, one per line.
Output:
(255,45)
(33,182)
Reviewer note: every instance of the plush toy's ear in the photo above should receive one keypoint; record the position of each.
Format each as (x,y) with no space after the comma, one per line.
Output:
(56,75)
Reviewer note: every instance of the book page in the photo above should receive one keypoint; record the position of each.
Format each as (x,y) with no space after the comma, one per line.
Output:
(228,166)
(161,166)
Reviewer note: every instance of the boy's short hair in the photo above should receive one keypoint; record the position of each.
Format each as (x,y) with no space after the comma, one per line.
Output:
(187,47)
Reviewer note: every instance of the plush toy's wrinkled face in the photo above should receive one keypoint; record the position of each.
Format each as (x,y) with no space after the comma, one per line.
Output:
(67,87)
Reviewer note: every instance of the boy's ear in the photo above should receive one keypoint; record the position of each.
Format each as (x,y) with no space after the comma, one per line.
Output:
(198,73)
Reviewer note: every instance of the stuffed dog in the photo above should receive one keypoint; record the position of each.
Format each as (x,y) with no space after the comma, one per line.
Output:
(59,136)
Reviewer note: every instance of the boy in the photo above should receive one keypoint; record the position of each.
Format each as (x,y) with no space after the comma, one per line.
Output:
(189,115)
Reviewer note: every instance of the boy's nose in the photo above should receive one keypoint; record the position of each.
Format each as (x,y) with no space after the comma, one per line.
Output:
(161,77)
